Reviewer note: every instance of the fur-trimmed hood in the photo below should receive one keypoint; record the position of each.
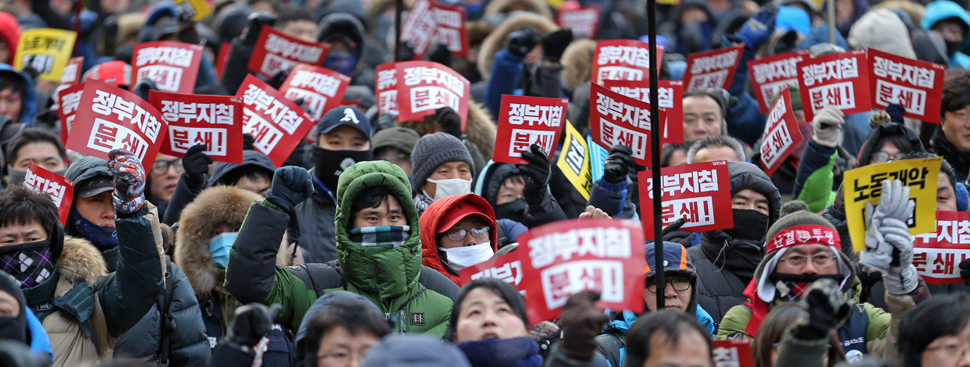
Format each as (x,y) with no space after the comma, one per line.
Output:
(81,261)
(506,6)
(577,63)
(496,41)
(479,129)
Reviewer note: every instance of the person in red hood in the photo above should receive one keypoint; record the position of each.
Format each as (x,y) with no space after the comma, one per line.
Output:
(457,232)
(9,37)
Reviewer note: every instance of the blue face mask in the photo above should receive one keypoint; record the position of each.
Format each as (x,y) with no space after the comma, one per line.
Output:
(341,62)
(220,245)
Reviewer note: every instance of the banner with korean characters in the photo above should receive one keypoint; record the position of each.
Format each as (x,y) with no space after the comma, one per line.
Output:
(425,86)
(769,74)
(563,258)
(583,21)
(60,189)
(524,121)
(222,59)
(670,97)
(276,51)
(838,80)
(322,89)
(72,72)
(275,122)
(712,69)
(938,254)
(110,118)
(574,161)
(385,89)
(865,184)
(451,30)
(419,27)
(622,60)
(47,50)
(781,133)
(916,85)
(213,121)
(69,99)
(700,193)
(193,9)
(173,66)
(733,353)
(618,119)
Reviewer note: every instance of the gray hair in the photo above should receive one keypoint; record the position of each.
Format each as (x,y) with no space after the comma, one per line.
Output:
(716,141)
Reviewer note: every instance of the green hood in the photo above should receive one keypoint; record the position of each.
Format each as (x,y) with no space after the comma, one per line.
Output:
(383,272)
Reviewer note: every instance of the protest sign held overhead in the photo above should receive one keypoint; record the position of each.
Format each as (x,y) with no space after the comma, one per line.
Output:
(110,118)
(670,97)
(173,66)
(712,69)
(72,72)
(938,254)
(524,121)
(769,74)
(275,122)
(424,87)
(68,98)
(622,60)
(617,119)
(583,21)
(781,133)
(322,89)
(386,89)
(700,193)
(915,85)
(733,353)
(222,59)
(429,22)
(451,30)
(419,27)
(60,189)
(213,121)
(574,161)
(47,50)
(194,10)
(865,184)
(276,51)
(837,80)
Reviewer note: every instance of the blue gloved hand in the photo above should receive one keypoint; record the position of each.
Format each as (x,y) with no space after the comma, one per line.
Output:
(291,186)
(759,28)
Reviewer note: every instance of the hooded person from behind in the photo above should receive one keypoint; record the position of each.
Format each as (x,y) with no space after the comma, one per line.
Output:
(438,221)
(883,30)
(948,11)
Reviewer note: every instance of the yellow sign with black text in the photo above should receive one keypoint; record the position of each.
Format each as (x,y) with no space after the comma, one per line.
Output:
(574,161)
(193,9)
(46,50)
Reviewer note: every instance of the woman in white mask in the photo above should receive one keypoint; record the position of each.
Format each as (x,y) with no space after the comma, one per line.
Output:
(457,232)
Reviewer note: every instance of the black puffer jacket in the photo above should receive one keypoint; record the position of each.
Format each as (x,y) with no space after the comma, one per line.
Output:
(960,161)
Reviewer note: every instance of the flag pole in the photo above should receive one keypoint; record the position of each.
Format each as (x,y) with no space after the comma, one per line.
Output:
(655,143)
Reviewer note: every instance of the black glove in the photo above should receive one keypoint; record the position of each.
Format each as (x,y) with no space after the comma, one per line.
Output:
(251,323)
(965,271)
(196,164)
(522,41)
(671,234)
(450,122)
(554,44)
(536,173)
(618,165)
(826,307)
(143,86)
(256,22)
(389,120)
(277,80)
(581,323)
(407,51)
(291,186)
(440,54)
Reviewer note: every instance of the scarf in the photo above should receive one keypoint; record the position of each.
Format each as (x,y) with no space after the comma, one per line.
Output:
(380,236)
(422,202)
(512,352)
(102,238)
(30,262)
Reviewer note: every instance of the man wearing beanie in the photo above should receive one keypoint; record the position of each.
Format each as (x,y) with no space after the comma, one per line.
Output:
(441,167)
(803,247)
(343,139)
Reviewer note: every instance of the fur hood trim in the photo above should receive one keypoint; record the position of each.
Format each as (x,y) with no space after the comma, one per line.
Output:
(496,41)
(504,6)
(480,129)
(577,63)
(81,261)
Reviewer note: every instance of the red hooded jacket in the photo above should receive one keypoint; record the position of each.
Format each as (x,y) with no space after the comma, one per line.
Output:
(429,229)
(10,33)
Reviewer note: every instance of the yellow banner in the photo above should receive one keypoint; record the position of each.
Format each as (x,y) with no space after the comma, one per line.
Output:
(865,184)
(574,161)
(46,50)
(197,9)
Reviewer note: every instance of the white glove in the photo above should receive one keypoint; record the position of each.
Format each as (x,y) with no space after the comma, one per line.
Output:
(827,126)
(886,233)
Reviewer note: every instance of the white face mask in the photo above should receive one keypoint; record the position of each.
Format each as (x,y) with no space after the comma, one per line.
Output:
(465,256)
(450,187)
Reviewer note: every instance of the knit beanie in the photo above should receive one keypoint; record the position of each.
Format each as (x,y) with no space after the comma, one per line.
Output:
(433,150)
(817,230)
(399,138)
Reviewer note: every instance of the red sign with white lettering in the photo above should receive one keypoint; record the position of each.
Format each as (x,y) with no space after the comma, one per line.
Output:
(425,86)
(419,27)
(524,121)
(837,80)
(915,85)
(769,74)
(72,72)
(671,109)
(222,59)
(110,118)
(451,30)
(276,51)
(712,69)
(385,89)
(618,119)
(213,121)
(583,21)
(173,66)
(781,133)
(938,255)
(322,89)
(69,98)
(700,193)
(275,122)
(622,60)
(60,189)
(733,353)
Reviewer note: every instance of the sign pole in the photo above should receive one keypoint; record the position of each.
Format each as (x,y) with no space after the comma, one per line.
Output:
(655,134)
(831,18)
(398,8)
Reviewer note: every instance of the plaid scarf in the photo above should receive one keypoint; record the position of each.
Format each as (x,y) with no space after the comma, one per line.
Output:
(380,236)
(422,201)
(30,262)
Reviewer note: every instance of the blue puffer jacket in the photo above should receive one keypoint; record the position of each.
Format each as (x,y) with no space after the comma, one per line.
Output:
(943,9)
(29,98)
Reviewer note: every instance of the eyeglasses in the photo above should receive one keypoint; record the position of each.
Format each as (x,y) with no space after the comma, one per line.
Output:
(160,167)
(343,358)
(394,158)
(460,234)
(799,260)
(950,351)
(679,283)
(880,157)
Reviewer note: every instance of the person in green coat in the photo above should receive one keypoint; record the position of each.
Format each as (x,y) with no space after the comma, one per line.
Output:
(378,251)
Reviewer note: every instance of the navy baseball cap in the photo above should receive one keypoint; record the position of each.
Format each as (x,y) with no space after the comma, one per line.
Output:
(344,115)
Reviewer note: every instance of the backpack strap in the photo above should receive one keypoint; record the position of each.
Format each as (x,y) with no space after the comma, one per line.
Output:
(164,304)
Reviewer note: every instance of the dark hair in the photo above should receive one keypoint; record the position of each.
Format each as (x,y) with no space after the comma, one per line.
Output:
(901,142)
(716,141)
(253,173)
(19,205)
(938,316)
(10,79)
(33,135)
(945,167)
(774,326)
(371,197)
(355,316)
(668,152)
(956,91)
(288,14)
(709,93)
(506,291)
(670,325)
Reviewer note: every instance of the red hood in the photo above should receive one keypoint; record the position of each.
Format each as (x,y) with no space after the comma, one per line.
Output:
(429,226)
(10,32)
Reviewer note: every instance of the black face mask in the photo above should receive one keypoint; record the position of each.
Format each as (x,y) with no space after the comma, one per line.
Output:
(791,287)
(748,225)
(329,164)
(952,47)
(514,211)
(13,328)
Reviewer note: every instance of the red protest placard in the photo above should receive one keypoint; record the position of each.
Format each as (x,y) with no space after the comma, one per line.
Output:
(173,66)
(213,121)
(419,27)
(618,119)
(322,89)
(72,72)
(671,109)
(524,121)
(275,122)
(583,21)
(916,85)
(451,28)
(769,74)
(69,99)
(109,118)
(385,89)
(712,69)
(276,51)
(222,59)
(838,80)
(781,133)
(700,193)
(60,189)
(733,353)
(622,60)
(425,86)
(507,267)
(937,255)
